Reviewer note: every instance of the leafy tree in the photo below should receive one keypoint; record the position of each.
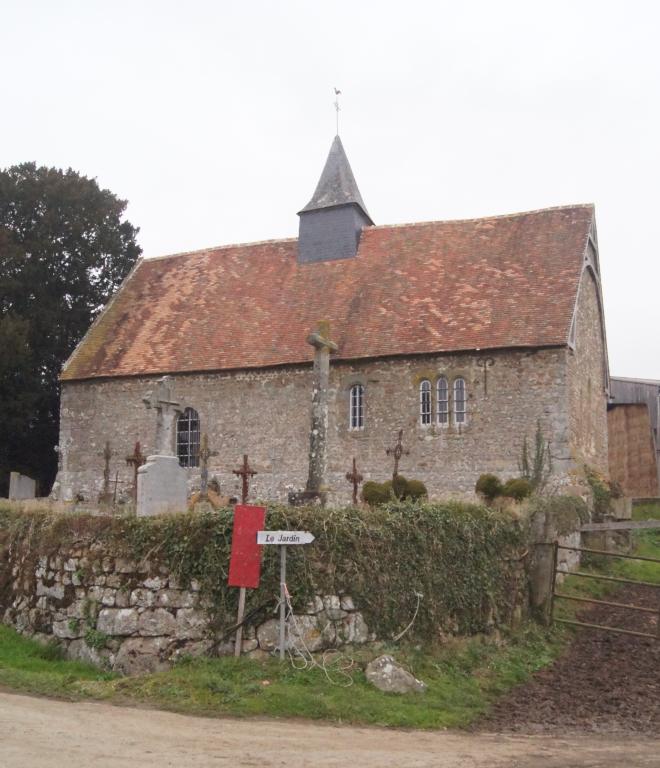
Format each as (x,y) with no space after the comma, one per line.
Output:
(64,250)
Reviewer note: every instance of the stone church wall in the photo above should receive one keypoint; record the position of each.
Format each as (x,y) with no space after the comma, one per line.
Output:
(587,383)
(266,414)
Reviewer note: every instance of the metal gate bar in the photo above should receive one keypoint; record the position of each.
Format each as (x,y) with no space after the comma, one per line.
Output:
(606,629)
(606,602)
(618,579)
(609,554)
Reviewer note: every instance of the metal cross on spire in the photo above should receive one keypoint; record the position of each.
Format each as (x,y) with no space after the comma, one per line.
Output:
(337,107)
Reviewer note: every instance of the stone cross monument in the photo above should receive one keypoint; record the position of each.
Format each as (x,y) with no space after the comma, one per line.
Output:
(318,455)
(162,484)
(167,411)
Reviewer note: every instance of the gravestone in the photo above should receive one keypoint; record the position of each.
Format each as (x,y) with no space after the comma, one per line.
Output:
(21,487)
(162,485)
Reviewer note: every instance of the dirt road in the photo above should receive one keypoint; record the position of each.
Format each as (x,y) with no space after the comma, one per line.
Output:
(41,733)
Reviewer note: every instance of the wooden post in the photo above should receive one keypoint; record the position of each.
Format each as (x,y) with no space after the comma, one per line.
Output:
(238,644)
(282,599)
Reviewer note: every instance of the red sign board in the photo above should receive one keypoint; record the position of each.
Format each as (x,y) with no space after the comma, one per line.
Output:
(245,563)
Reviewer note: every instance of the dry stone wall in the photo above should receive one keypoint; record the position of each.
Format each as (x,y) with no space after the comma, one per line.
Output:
(266,414)
(136,617)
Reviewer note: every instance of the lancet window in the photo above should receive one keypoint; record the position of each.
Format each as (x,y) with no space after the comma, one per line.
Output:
(425,409)
(356,407)
(187,438)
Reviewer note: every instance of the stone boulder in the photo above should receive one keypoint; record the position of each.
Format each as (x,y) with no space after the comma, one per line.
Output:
(390,677)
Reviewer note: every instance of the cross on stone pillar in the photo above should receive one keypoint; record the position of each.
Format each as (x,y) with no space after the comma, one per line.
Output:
(356,478)
(205,454)
(245,472)
(136,460)
(398,451)
(167,410)
(318,458)
(485,363)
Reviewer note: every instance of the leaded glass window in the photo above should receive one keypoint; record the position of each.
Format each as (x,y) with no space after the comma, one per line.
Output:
(356,408)
(187,438)
(425,402)
(443,401)
(460,399)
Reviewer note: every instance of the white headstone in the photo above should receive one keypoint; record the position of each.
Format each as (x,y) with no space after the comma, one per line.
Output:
(161,486)
(21,486)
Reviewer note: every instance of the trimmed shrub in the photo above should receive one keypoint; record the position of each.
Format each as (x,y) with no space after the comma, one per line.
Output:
(416,490)
(489,487)
(517,488)
(376,493)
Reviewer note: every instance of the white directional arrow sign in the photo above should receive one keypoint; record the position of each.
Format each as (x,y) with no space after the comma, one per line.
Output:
(285,537)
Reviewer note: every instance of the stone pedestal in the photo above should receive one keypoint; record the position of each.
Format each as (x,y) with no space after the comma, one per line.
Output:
(161,486)
(21,486)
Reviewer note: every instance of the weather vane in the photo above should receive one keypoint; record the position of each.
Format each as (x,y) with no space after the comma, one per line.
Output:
(337,107)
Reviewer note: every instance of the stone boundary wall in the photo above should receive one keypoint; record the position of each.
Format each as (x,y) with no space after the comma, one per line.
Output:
(136,617)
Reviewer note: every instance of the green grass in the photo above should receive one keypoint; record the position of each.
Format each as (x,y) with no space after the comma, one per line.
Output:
(464,677)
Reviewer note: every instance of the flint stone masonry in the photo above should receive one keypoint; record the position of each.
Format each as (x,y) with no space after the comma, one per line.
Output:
(162,486)
(523,388)
(148,618)
(21,486)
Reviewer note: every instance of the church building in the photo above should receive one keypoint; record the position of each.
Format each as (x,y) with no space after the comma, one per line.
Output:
(464,334)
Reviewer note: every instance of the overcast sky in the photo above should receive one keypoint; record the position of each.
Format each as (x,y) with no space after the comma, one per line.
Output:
(214,119)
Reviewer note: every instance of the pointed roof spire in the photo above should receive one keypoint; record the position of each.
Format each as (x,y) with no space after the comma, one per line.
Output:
(337,185)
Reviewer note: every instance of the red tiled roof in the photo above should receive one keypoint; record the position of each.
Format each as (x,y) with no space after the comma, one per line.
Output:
(508,281)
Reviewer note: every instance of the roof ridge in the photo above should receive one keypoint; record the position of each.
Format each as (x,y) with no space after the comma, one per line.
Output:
(220,248)
(483,218)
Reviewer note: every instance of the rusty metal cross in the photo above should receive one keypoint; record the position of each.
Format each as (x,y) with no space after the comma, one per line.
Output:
(398,451)
(136,460)
(356,478)
(107,455)
(205,454)
(245,472)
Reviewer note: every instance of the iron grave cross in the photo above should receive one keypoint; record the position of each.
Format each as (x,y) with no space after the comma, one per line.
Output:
(136,460)
(245,473)
(167,411)
(398,451)
(205,454)
(318,461)
(356,478)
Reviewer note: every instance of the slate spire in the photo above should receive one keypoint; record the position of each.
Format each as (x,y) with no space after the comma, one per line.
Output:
(331,223)
(337,185)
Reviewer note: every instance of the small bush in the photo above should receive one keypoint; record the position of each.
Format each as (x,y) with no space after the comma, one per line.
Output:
(489,486)
(416,490)
(517,488)
(376,493)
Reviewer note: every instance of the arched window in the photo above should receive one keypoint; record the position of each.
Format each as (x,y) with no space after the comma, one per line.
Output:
(460,399)
(425,402)
(356,408)
(443,401)
(187,438)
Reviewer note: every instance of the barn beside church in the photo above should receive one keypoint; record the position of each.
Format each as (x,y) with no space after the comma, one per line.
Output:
(464,334)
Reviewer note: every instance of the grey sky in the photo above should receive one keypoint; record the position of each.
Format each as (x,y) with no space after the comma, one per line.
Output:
(214,118)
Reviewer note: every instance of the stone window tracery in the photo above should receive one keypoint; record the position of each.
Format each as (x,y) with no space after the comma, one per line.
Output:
(187,438)
(356,407)
(460,399)
(442,393)
(425,402)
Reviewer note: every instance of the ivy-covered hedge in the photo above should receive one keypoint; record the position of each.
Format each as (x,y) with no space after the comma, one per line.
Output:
(460,557)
